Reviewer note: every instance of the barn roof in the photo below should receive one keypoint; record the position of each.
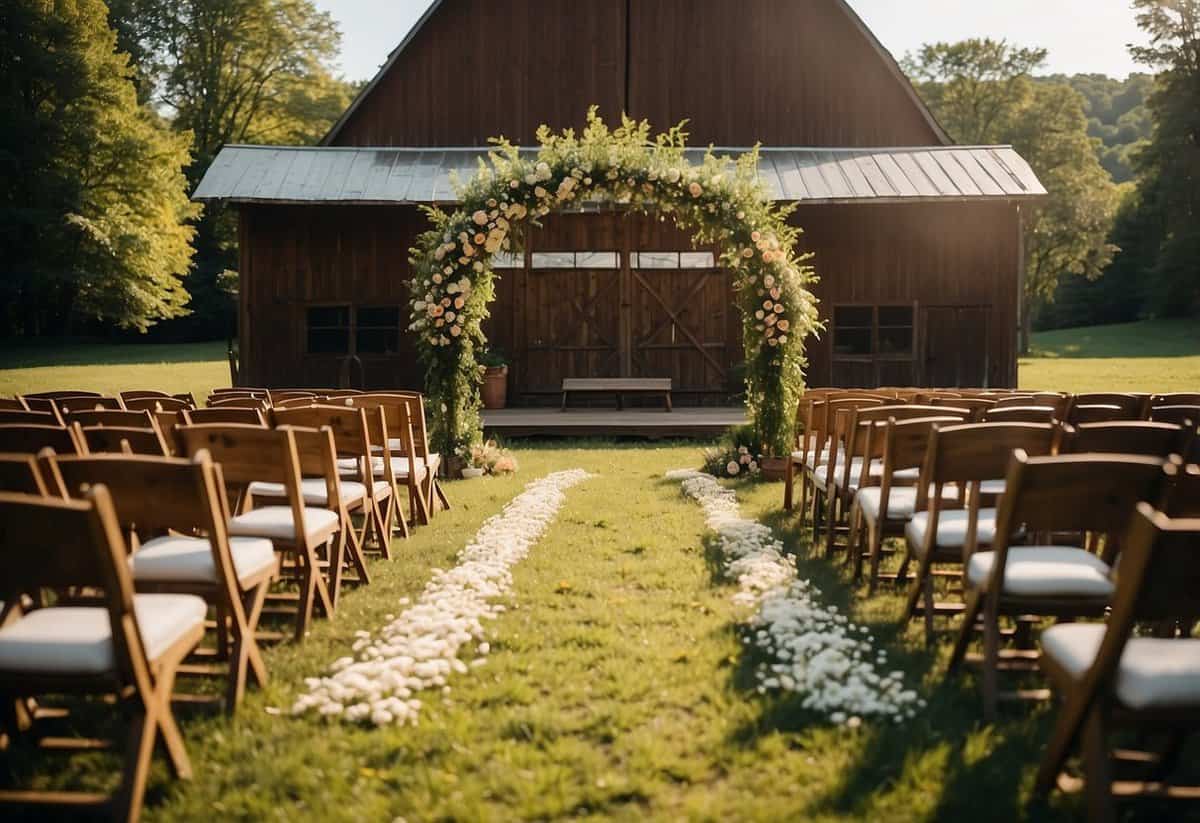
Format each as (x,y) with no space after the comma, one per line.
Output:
(280,174)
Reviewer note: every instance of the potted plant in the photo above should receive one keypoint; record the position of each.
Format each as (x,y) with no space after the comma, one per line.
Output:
(487,458)
(735,455)
(495,379)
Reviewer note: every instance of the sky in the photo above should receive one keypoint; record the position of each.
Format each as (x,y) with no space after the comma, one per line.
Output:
(1083,36)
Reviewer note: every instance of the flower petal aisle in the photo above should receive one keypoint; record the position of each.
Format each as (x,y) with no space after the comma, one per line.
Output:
(814,651)
(419,649)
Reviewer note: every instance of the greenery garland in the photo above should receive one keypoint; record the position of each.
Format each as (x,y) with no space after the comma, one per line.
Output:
(721,201)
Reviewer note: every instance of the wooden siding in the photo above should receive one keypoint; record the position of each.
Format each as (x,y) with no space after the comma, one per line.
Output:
(481,69)
(951,255)
(959,264)
(780,72)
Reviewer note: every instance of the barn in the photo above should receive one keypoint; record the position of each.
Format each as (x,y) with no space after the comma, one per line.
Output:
(918,242)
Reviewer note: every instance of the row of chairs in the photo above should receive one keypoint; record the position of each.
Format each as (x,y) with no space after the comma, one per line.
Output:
(1030,521)
(139,544)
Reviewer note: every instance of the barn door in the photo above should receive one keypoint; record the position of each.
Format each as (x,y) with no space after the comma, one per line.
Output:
(955,345)
(572,327)
(680,306)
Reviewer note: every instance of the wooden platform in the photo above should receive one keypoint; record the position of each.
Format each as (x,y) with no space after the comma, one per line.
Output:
(650,423)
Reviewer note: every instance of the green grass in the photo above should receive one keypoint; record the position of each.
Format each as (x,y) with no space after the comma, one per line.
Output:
(1156,355)
(112,367)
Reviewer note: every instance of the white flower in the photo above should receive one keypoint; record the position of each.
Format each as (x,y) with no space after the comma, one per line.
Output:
(733,468)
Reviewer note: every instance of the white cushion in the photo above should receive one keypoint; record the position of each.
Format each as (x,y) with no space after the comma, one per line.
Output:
(1045,570)
(313,490)
(78,639)
(175,558)
(952,528)
(275,522)
(902,502)
(1153,672)
(349,467)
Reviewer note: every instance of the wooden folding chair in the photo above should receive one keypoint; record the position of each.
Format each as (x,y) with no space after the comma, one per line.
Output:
(223,414)
(277,395)
(963,466)
(87,403)
(805,441)
(1182,496)
(110,417)
(1110,679)
(886,508)
(977,406)
(1010,399)
(402,417)
(175,511)
(1178,415)
(858,468)
(1131,405)
(223,402)
(1095,494)
(1126,437)
(13,404)
(1172,399)
(31,439)
(363,490)
(247,454)
(61,393)
(157,404)
(1097,413)
(125,440)
(129,647)
(297,402)
(831,451)
(21,474)
(434,494)
(320,487)
(1019,414)
(18,417)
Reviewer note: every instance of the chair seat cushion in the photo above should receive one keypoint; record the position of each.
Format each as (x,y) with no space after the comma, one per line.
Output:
(275,523)
(313,489)
(177,558)
(821,474)
(78,639)
(1045,571)
(349,467)
(1153,672)
(952,528)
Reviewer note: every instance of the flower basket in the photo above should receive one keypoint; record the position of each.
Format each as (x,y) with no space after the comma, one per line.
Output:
(495,387)
(774,469)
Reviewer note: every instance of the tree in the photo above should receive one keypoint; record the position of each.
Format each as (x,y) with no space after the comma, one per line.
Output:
(234,71)
(1169,166)
(983,92)
(94,214)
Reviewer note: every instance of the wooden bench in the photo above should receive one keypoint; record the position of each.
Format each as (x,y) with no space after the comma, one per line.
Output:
(619,386)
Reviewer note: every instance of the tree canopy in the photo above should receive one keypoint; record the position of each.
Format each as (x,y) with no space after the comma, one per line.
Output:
(94,213)
(983,91)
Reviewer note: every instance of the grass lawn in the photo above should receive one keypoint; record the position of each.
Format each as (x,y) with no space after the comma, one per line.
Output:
(617,686)
(1157,355)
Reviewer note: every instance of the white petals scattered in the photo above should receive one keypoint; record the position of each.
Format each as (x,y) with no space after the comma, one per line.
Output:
(419,649)
(815,651)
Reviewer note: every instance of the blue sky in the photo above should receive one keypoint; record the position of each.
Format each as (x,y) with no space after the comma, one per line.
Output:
(1082,35)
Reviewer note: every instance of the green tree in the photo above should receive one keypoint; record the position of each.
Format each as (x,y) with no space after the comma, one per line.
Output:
(234,71)
(1169,165)
(983,92)
(94,214)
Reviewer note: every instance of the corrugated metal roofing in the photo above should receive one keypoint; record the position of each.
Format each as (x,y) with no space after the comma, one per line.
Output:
(271,174)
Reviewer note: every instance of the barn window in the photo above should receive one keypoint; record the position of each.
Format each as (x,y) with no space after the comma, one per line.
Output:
(867,331)
(508,260)
(671,260)
(575,260)
(328,330)
(377,329)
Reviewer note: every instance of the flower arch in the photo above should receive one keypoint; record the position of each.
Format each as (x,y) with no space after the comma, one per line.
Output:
(720,201)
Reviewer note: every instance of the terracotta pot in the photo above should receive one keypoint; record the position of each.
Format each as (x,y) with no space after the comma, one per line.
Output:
(774,469)
(495,387)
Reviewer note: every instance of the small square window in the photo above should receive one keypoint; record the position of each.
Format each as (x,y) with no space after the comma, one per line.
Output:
(328,330)
(696,260)
(508,260)
(655,260)
(553,260)
(596,260)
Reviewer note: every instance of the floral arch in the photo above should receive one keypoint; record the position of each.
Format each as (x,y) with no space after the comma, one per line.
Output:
(719,201)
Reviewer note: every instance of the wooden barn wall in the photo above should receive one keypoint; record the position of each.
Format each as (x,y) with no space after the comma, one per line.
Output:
(939,255)
(481,69)
(780,72)
(884,254)
(293,257)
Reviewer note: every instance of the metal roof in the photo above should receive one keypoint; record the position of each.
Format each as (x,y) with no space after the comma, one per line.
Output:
(278,174)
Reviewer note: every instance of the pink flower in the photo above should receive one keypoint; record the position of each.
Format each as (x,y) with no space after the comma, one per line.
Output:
(733,468)
(695,189)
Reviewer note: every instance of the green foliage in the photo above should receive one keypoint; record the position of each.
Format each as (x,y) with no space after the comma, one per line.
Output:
(93,207)
(720,202)
(1169,166)
(1117,116)
(982,91)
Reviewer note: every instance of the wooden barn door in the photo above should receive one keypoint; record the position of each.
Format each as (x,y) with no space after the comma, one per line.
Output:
(572,326)
(680,323)
(955,345)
